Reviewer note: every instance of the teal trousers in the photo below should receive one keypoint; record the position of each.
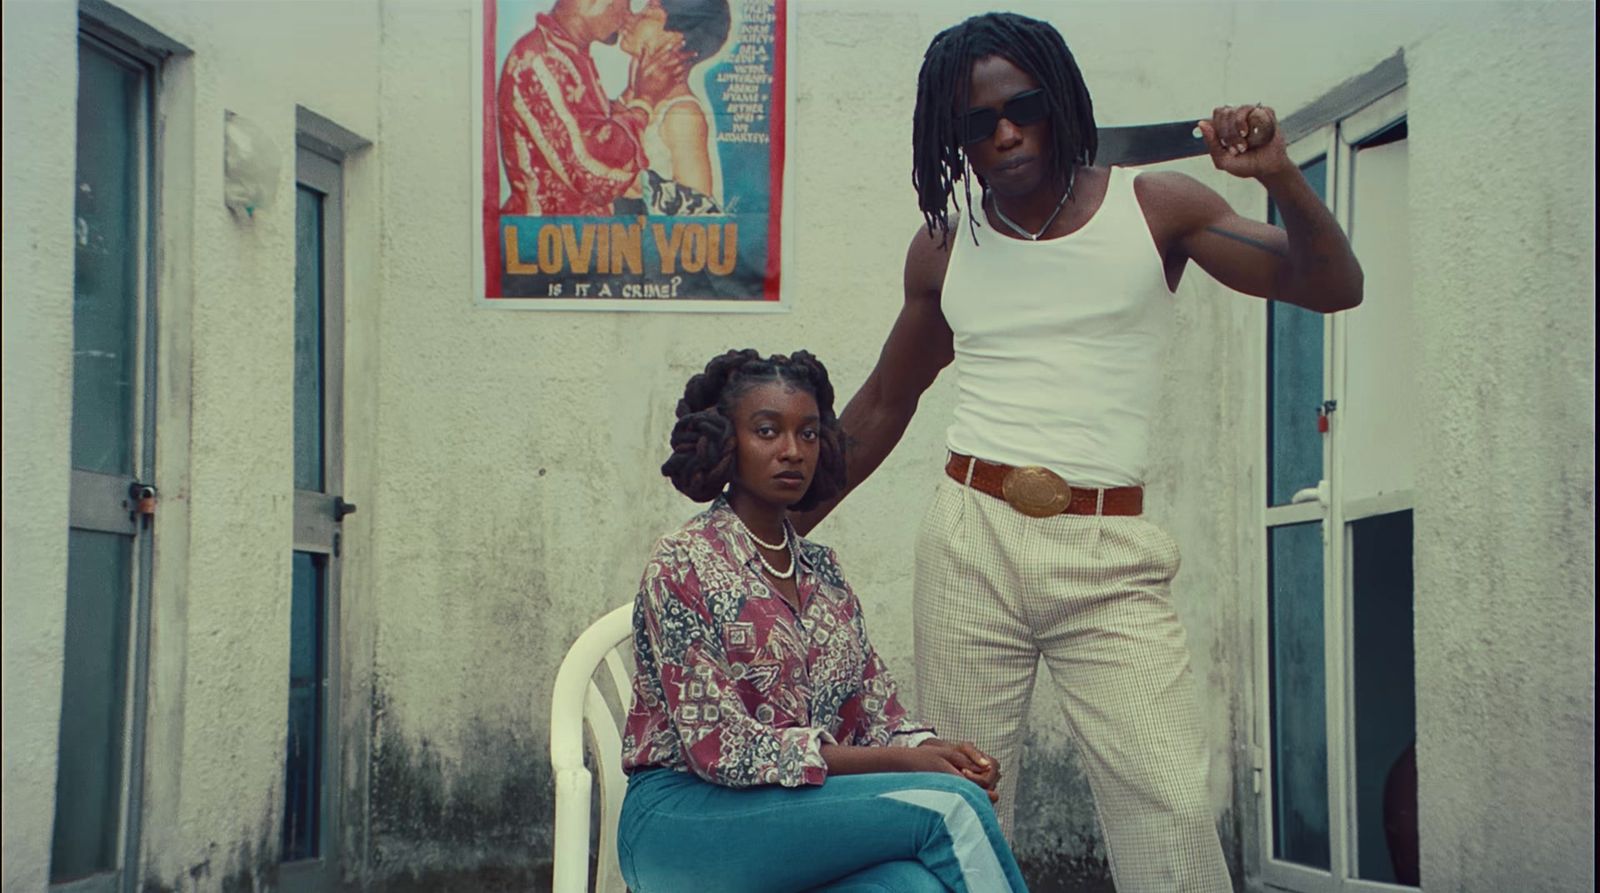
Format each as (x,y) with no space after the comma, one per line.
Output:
(903,832)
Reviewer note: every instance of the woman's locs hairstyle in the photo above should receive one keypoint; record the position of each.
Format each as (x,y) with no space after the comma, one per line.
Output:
(703,440)
(938,147)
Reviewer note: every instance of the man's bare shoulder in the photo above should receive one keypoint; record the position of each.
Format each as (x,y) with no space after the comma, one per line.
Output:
(927,258)
(1171,196)
(930,243)
(1175,206)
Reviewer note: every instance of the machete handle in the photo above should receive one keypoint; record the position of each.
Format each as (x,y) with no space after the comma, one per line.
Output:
(1262,128)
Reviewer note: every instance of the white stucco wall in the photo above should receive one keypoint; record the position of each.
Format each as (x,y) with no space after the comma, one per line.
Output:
(40,92)
(219,647)
(505,462)
(1504,247)
(221,630)
(214,762)
(545,430)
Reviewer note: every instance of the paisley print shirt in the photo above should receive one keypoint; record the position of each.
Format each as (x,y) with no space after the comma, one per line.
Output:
(736,686)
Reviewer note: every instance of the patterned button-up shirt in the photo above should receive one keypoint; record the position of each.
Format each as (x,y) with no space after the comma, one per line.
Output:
(736,686)
(567,148)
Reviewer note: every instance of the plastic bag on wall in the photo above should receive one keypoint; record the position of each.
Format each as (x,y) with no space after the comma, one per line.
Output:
(250,166)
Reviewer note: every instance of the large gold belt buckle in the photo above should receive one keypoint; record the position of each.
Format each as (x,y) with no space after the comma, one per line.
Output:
(1036,491)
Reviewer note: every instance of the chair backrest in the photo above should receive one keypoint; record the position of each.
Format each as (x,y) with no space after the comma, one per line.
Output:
(577,704)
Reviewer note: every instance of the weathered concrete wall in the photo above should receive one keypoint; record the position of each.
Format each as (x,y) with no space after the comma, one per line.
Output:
(40,82)
(560,417)
(1502,204)
(541,433)
(220,630)
(505,462)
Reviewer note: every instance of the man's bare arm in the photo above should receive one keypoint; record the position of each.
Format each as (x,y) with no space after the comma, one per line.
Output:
(1308,262)
(1321,272)
(919,345)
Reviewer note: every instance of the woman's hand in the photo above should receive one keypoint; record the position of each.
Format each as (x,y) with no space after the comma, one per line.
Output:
(933,755)
(927,757)
(986,771)
(966,760)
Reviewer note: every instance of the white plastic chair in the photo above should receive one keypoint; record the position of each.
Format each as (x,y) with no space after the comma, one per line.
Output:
(577,703)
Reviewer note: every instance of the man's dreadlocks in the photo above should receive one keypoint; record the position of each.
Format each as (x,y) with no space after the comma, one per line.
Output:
(938,153)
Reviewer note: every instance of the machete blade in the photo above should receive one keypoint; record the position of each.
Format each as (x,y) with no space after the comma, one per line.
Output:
(1149,143)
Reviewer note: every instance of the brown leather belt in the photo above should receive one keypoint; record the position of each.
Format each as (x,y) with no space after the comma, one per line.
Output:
(1040,493)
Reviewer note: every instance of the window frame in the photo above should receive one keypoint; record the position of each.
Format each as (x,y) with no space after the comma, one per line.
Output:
(101,502)
(1334,127)
(320,154)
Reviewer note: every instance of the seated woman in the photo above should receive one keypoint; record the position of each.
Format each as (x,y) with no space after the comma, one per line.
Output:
(766,748)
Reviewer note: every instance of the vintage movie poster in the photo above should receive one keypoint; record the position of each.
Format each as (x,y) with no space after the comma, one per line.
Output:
(631,154)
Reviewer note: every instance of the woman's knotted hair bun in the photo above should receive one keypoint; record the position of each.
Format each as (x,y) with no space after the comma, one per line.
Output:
(701,464)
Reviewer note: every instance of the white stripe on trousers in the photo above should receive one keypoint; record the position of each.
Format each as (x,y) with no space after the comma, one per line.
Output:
(994,590)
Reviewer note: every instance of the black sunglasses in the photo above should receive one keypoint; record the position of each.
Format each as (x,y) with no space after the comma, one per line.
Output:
(1022,109)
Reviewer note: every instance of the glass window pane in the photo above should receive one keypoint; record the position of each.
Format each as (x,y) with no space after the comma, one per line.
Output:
(1385,699)
(105,269)
(1294,383)
(1298,687)
(1378,440)
(308,342)
(1294,393)
(93,704)
(302,811)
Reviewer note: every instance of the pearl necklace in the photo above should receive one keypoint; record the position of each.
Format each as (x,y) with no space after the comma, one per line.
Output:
(786,544)
(758,540)
(1033,236)
(781,575)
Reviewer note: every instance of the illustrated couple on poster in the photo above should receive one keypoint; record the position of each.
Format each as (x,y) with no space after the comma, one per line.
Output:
(602,107)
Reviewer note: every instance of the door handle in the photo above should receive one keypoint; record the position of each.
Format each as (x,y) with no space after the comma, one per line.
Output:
(342,508)
(1318,494)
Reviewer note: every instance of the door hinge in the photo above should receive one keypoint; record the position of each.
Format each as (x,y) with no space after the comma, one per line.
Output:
(1258,769)
(336,543)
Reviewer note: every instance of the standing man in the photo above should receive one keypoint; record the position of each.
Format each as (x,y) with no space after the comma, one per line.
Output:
(1053,295)
(566,147)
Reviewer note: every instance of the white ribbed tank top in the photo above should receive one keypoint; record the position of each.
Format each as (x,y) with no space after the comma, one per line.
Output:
(1059,343)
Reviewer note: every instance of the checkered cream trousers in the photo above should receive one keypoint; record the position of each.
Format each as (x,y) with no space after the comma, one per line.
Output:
(994,590)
